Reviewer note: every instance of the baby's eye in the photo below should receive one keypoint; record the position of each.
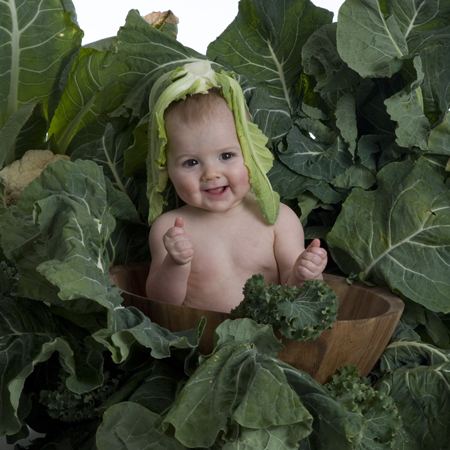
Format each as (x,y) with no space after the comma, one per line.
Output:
(190,162)
(227,155)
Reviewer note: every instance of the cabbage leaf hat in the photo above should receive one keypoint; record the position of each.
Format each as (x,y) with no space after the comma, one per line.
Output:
(199,78)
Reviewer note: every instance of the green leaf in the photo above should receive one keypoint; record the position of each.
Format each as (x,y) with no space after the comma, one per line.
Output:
(386,236)
(264,44)
(160,388)
(57,237)
(77,118)
(309,158)
(367,41)
(355,176)
(29,334)
(270,114)
(128,425)
(321,59)
(436,69)
(30,67)
(346,121)
(407,109)
(12,131)
(236,387)
(410,353)
(246,331)
(439,140)
(422,23)
(270,438)
(290,185)
(333,425)
(298,313)
(355,394)
(129,326)
(422,396)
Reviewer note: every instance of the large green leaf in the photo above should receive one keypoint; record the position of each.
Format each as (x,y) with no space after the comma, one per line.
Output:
(367,41)
(237,387)
(422,22)
(264,43)
(398,236)
(76,120)
(57,237)
(33,55)
(422,396)
(373,35)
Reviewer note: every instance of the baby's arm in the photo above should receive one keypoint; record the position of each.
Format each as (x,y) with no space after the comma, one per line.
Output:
(172,253)
(295,263)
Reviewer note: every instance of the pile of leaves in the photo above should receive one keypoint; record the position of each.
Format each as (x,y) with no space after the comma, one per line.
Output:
(357,112)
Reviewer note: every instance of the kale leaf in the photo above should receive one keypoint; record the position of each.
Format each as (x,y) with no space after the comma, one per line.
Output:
(298,313)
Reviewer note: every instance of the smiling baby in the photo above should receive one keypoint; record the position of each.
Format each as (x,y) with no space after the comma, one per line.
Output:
(203,252)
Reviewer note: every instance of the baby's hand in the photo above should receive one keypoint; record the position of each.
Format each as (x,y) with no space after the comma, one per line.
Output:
(178,244)
(311,262)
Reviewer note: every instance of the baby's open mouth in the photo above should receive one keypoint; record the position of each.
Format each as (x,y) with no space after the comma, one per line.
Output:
(217,191)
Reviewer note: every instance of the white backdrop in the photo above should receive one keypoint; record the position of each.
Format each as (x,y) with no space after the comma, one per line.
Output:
(201,21)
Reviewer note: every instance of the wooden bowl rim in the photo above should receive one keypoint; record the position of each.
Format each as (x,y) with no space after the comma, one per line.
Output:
(396,305)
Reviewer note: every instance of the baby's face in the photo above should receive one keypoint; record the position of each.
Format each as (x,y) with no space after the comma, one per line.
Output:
(205,161)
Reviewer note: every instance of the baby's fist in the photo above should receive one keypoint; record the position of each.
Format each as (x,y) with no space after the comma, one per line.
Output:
(178,244)
(311,262)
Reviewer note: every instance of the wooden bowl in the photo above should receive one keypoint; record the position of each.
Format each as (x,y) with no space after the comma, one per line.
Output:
(367,317)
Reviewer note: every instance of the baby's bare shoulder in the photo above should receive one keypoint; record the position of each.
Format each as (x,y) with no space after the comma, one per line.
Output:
(286,216)
(163,223)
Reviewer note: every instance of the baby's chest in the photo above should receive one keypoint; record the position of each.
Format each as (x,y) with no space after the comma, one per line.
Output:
(247,251)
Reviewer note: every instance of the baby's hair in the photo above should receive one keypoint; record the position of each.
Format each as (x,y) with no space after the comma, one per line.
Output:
(198,107)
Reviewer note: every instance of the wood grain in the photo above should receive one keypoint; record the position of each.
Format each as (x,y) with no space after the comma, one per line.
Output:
(367,317)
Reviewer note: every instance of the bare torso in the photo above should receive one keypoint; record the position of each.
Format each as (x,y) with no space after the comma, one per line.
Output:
(228,249)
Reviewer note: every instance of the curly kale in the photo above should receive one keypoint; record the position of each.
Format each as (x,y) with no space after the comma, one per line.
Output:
(355,394)
(298,313)
(8,277)
(68,406)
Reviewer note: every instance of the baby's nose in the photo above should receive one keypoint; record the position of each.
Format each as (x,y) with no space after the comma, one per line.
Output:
(211,172)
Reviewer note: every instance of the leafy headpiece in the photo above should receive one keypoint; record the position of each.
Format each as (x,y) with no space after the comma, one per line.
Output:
(198,78)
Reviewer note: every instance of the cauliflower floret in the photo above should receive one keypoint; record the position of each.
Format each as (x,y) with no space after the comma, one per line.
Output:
(19,174)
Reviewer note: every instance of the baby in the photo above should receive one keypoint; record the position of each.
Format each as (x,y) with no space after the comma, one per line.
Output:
(203,252)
